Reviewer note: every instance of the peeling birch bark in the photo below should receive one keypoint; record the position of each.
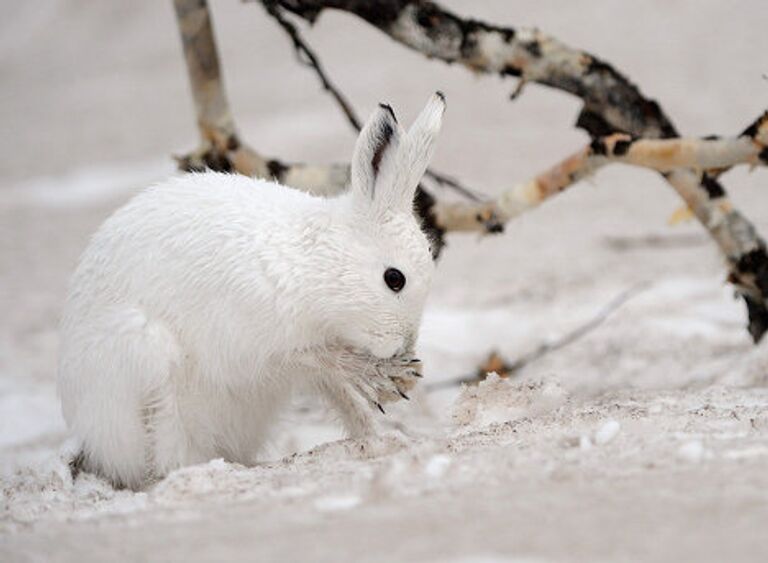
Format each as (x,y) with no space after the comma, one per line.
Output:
(663,155)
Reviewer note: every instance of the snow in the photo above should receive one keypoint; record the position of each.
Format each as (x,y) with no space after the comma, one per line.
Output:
(646,439)
(332,504)
(437,466)
(607,432)
(692,451)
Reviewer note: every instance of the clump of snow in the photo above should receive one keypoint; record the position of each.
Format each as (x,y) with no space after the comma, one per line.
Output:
(46,491)
(692,451)
(607,432)
(497,400)
(437,465)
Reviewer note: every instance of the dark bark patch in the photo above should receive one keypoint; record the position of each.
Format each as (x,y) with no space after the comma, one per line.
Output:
(639,113)
(217,161)
(276,169)
(510,70)
(470,29)
(595,124)
(233,143)
(533,47)
(751,131)
(598,148)
(755,263)
(712,186)
(622,146)
(758,318)
(595,65)
(380,14)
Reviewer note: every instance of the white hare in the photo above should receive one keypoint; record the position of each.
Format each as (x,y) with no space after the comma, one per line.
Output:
(201,303)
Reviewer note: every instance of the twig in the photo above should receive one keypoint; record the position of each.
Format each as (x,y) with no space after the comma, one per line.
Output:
(509,369)
(443,180)
(312,61)
(624,243)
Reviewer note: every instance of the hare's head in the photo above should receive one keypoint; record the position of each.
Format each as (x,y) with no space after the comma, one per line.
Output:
(387,260)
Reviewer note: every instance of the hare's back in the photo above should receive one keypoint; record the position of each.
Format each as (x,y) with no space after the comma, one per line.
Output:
(192,234)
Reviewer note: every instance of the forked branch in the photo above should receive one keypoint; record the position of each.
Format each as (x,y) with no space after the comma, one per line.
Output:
(612,104)
(625,126)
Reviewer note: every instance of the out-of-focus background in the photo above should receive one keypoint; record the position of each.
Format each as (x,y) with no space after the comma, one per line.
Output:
(646,439)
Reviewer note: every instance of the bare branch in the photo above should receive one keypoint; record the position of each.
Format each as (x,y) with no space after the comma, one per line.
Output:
(612,104)
(758,132)
(469,217)
(622,243)
(664,155)
(504,369)
(221,148)
(312,61)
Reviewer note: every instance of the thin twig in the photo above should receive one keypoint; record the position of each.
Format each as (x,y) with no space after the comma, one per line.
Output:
(311,60)
(547,347)
(307,57)
(444,180)
(621,243)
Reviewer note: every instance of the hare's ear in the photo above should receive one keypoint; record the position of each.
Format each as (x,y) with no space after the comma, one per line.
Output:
(419,145)
(376,152)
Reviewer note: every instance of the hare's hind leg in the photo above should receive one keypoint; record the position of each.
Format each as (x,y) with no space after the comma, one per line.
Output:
(116,368)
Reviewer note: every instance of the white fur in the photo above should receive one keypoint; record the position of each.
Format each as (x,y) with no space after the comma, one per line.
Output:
(200,304)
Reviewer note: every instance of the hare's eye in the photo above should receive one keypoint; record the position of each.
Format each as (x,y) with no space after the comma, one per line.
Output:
(394,279)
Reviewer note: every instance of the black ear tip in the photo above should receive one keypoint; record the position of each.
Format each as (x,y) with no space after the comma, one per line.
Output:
(389,109)
(440,95)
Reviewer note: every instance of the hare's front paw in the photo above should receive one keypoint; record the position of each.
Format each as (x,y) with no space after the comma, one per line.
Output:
(384,381)
(402,372)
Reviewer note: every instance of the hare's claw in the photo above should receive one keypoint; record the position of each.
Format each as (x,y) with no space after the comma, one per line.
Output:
(385,381)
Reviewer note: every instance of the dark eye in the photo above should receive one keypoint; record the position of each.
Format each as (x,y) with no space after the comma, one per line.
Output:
(394,279)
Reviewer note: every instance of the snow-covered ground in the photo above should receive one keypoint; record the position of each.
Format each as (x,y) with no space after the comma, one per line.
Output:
(645,440)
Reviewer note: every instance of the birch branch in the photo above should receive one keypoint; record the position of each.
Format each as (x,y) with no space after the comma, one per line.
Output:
(611,104)
(662,155)
(495,363)
(220,145)
(665,155)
